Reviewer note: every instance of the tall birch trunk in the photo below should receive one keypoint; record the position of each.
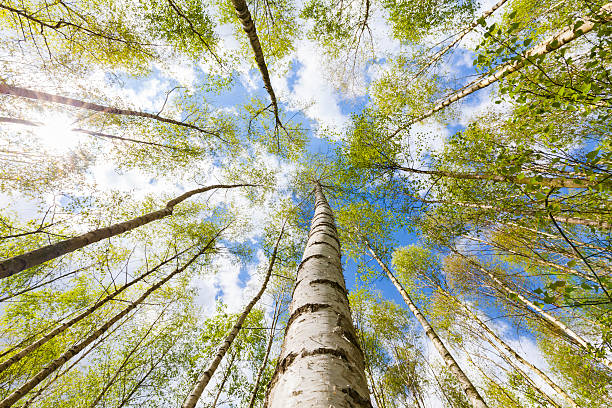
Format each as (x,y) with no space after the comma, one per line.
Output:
(567,34)
(471,392)
(228,371)
(321,364)
(126,360)
(20,92)
(205,377)
(568,333)
(537,261)
(36,257)
(601,223)
(262,368)
(244,15)
(555,182)
(128,397)
(462,34)
(77,348)
(24,122)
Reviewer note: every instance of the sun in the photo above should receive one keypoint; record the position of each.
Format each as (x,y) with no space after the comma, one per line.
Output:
(56,133)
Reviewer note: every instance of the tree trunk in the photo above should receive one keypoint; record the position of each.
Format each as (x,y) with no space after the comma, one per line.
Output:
(321,364)
(471,392)
(74,363)
(249,28)
(602,223)
(63,327)
(567,34)
(514,354)
(87,132)
(228,371)
(205,377)
(126,360)
(74,350)
(262,369)
(36,257)
(462,34)
(537,261)
(39,285)
(555,182)
(568,333)
(7,89)
(127,398)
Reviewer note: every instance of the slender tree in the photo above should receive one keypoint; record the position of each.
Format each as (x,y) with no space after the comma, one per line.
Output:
(567,35)
(33,258)
(21,92)
(244,15)
(567,332)
(77,348)
(205,377)
(262,368)
(88,312)
(470,391)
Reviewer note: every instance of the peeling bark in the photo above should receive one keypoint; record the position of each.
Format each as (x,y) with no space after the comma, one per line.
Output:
(36,257)
(321,364)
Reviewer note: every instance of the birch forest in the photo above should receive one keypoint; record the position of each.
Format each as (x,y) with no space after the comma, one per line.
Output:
(306,204)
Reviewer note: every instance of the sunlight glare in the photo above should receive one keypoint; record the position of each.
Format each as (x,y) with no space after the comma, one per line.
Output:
(56,133)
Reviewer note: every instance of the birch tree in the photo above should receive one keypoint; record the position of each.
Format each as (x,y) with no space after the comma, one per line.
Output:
(329,359)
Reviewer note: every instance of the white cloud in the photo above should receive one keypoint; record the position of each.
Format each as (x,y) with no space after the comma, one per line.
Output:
(311,92)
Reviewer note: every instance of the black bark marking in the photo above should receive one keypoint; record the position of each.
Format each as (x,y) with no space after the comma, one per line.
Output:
(329,245)
(331,283)
(345,328)
(323,214)
(335,238)
(318,256)
(307,308)
(325,223)
(325,350)
(329,264)
(284,364)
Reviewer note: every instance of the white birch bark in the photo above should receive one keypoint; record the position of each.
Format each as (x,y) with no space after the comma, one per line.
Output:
(204,378)
(471,392)
(567,34)
(54,365)
(570,401)
(321,364)
(567,332)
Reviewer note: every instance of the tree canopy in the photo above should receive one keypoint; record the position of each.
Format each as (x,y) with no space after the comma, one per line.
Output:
(160,161)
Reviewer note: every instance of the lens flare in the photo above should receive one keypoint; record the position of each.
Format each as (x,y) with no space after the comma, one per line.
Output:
(56,134)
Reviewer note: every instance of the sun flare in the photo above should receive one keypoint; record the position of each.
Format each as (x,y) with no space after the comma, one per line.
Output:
(56,133)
